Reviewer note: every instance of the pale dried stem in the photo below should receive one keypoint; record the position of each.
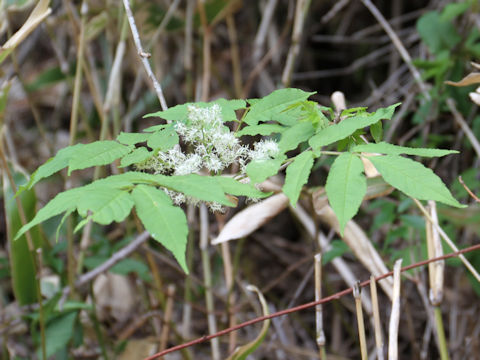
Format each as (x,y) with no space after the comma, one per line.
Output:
(463,124)
(144,56)
(207,277)
(339,5)
(434,247)
(357,294)
(447,239)
(318,309)
(168,317)
(376,318)
(206,51)
(261,36)
(300,14)
(338,263)
(395,315)
(235,54)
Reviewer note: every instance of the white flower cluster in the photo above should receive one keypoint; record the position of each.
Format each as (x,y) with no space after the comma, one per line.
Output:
(210,145)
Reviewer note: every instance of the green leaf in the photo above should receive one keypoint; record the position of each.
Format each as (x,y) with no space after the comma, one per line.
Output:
(437,33)
(204,188)
(54,164)
(260,170)
(96,154)
(106,204)
(273,106)
(337,248)
(348,126)
(180,112)
(262,129)
(132,138)
(58,333)
(22,267)
(346,186)
(164,139)
(127,180)
(297,176)
(376,130)
(166,223)
(390,149)
(295,135)
(156,128)
(65,201)
(413,179)
(136,156)
(234,187)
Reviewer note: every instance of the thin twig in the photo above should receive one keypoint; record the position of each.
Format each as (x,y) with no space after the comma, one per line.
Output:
(115,258)
(144,56)
(309,305)
(475,197)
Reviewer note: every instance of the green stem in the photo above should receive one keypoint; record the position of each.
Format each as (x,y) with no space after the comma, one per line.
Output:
(442,341)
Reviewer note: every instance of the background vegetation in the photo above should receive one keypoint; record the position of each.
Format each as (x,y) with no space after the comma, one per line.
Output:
(78,77)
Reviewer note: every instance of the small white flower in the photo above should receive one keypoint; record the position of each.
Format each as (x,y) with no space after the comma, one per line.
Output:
(264,150)
(213,163)
(192,164)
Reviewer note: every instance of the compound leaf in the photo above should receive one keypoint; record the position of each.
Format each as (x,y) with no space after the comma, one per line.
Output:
(297,176)
(390,149)
(348,126)
(54,164)
(261,129)
(164,139)
(204,188)
(132,138)
(259,170)
(346,187)
(106,204)
(273,106)
(165,222)
(96,154)
(65,201)
(136,156)
(413,179)
(180,112)
(295,135)
(234,187)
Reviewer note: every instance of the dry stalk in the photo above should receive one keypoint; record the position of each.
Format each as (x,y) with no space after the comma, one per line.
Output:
(300,14)
(168,316)
(447,239)
(463,124)
(357,294)
(318,309)
(395,315)
(143,55)
(376,318)
(207,277)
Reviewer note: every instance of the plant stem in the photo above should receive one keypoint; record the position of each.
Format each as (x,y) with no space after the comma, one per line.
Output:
(442,341)
(207,276)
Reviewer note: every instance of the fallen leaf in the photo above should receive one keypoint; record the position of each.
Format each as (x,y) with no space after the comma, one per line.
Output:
(250,219)
(472,78)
